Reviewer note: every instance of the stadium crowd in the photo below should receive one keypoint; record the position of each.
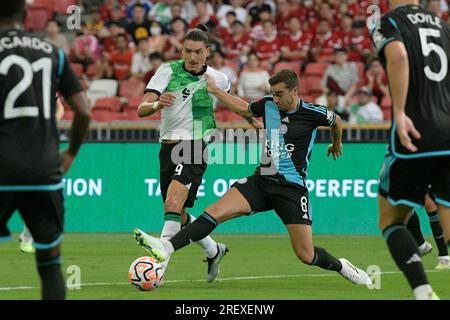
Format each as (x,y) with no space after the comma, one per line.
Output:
(121,43)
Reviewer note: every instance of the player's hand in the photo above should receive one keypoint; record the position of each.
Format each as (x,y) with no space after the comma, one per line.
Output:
(211,82)
(166,99)
(66,160)
(335,150)
(406,131)
(255,123)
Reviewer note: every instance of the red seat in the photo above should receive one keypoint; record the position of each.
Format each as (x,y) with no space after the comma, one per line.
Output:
(295,66)
(106,115)
(90,70)
(68,114)
(77,69)
(386,102)
(131,88)
(108,104)
(387,116)
(61,6)
(37,17)
(316,68)
(313,85)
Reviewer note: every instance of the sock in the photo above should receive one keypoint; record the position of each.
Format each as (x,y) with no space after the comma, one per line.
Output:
(26,232)
(404,251)
(413,226)
(195,231)
(207,243)
(172,225)
(325,260)
(53,286)
(423,292)
(438,234)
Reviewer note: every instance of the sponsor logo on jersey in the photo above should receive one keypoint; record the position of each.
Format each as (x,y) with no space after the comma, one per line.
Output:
(283,128)
(242,180)
(330,116)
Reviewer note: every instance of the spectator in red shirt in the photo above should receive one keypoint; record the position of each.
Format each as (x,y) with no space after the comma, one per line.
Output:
(325,42)
(376,79)
(295,45)
(360,44)
(203,16)
(117,64)
(346,30)
(109,42)
(174,42)
(240,44)
(105,9)
(268,48)
(282,18)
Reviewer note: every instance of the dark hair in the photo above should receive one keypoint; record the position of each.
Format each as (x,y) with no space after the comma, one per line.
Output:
(138,5)
(231,13)
(331,93)
(199,33)
(156,55)
(12,9)
(53,20)
(286,76)
(219,52)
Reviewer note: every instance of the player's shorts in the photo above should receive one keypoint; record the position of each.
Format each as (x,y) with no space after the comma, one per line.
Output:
(290,202)
(406,181)
(42,212)
(186,166)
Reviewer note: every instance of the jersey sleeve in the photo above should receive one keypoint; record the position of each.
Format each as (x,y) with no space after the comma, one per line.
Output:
(319,115)
(388,32)
(159,82)
(257,107)
(68,83)
(223,82)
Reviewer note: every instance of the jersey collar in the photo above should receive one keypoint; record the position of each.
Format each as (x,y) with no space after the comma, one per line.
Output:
(196,73)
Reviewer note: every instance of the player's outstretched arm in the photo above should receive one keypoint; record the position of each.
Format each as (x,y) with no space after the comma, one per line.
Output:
(152,103)
(235,104)
(398,75)
(80,125)
(335,148)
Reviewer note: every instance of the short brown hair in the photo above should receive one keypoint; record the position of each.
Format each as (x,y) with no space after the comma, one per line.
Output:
(286,76)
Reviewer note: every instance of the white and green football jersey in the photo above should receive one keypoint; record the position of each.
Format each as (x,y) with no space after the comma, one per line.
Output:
(192,114)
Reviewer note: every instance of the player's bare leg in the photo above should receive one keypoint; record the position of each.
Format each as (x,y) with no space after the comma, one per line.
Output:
(403,247)
(302,243)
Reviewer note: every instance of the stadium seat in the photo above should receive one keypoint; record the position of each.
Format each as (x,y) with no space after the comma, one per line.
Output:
(37,17)
(313,85)
(295,66)
(68,114)
(110,104)
(77,68)
(386,102)
(131,88)
(387,114)
(61,6)
(107,116)
(316,68)
(90,70)
(101,88)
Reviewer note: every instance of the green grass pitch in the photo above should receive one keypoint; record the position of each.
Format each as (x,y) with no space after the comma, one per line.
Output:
(257,267)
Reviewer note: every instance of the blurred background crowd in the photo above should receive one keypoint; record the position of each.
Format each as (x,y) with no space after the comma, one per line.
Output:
(120,44)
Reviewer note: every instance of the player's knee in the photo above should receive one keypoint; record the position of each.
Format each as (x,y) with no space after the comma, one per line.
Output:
(44,255)
(305,255)
(173,204)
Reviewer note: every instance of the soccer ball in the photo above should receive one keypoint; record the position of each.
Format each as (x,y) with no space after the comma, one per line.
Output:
(145,273)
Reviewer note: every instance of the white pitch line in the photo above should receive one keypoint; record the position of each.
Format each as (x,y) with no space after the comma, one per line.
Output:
(203,280)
